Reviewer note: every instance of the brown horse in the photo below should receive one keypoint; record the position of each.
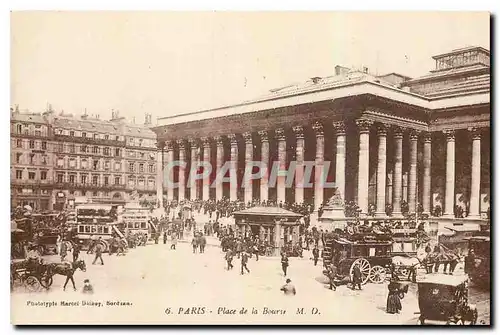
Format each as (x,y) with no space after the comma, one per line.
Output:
(67,269)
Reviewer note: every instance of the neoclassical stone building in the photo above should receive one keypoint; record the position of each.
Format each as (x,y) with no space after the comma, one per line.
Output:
(389,139)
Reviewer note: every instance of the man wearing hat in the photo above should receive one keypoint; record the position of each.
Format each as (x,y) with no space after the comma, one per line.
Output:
(87,287)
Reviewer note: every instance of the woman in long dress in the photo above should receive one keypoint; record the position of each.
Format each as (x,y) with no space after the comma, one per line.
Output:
(393,300)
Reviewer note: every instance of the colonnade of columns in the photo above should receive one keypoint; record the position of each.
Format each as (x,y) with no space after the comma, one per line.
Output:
(364,127)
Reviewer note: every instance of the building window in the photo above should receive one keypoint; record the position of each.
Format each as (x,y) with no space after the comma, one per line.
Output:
(38,133)
(19,174)
(95,180)
(140,182)
(71,178)
(60,162)
(19,129)
(140,142)
(96,165)
(131,181)
(131,141)
(95,150)
(31,175)
(18,157)
(72,133)
(83,148)
(106,194)
(131,167)
(106,180)
(118,166)
(95,194)
(60,178)
(32,159)
(19,143)
(117,152)
(117,138)
(43,175)
(107,165)
(32,144)
(44,145)
(83,179)
(44,160)
(96,136)
(84,164)
(117,180)
(151,183)
(141,167)
(106,137)
(84,134)
(151,168)
(106,151)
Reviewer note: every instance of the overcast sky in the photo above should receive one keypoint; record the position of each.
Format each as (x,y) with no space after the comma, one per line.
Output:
(171,63)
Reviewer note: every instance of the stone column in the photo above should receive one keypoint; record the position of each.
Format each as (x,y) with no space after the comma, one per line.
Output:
(449,207)
(277,236)
(264,180)
(220,162)
(475,194)
(319,165)
(280,188)
(412,178)
(195,155)
(170,173)
(233,171)
(299,170)
(397,183)
(381,170)
(363,163)
(426,183)
(248,189)
(206,160)
(182,170)
(159,174)
(340,160)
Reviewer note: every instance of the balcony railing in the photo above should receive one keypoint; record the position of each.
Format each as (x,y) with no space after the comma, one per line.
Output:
(89,140)
(32,182)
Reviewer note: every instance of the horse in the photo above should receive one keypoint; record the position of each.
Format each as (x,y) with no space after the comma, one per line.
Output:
(67,269)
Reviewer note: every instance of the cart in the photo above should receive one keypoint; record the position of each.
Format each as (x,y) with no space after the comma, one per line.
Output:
(445,298)
(370,251)
(30,273)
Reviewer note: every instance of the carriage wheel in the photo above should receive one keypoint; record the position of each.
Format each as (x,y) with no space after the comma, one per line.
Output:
(46,281)
(104,246)
(364,266)
(377,274)
(32,284)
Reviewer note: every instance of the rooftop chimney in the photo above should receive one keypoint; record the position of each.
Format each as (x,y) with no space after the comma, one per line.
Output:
(341,70)
(365,69)
(115,116)
(147,119)
(316,79)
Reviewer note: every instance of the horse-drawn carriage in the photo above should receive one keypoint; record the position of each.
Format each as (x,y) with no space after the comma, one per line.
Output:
(371,252)
(478,259)
(33,274)
(446,299)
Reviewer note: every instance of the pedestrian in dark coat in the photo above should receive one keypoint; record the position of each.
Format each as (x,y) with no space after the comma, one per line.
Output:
(332,274)
(164,237)
(244,262)
(76,252)
(98,253)
(284,263)
(357,278)
(315,253)
(229,259)
(393,299)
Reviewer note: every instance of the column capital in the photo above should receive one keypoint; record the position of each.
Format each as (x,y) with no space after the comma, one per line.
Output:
(427,136)
(299,132)
(381,130)
(219,140)
(318,128)
(364,125)
(248,137)
(194,142)
(206,142)
(181,143)
(263,135)
(169,145)
(414,134)
(280,134)
(398,131)
(475,133)
(232,139)
(450,134)
(339,127)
